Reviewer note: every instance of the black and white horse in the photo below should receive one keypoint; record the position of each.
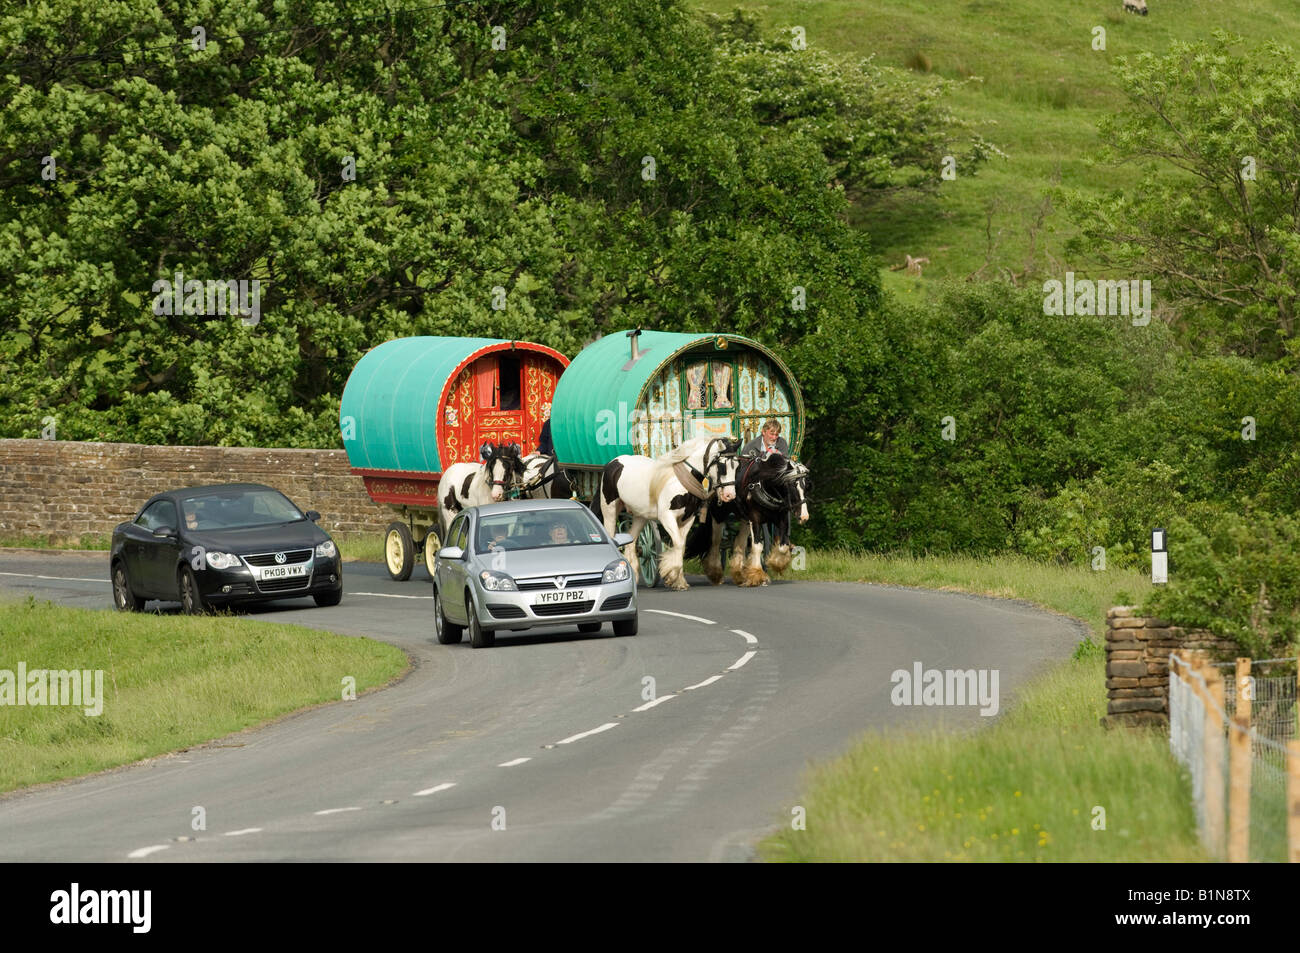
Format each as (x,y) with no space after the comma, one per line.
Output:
(473,484)
(544,479)
(768,489)
(669,489)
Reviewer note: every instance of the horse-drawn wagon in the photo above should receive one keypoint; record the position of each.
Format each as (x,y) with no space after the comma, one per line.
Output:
(415,407)
(647,392)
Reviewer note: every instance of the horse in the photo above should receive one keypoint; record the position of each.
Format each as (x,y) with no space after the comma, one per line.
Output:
(668,489)
(473,484)
(768,489)
(778,561)
(544,479)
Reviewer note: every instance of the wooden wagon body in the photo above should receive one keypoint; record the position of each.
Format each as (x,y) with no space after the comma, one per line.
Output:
(646,392)
(414,406)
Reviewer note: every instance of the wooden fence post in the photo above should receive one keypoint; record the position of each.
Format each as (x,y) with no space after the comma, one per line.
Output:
(1245,689)
(1293,801)
(1213,761)
(1239,757)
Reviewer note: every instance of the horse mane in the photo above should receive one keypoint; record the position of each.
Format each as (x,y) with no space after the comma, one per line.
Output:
(683,451)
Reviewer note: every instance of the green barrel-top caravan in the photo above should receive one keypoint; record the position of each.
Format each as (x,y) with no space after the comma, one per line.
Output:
(646,392)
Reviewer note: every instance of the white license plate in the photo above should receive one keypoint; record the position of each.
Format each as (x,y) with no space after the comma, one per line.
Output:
(561,595)
(282,572)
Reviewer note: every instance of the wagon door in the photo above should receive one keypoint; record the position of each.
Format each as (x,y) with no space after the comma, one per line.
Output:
(498,399)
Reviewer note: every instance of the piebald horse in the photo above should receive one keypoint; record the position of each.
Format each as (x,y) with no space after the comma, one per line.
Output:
(544,479)
(668,489)
(473,484)
(768,489)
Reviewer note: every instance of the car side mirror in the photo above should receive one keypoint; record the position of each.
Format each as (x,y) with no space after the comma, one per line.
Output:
(451,552)
(622,539)
(313,515)
(164,531)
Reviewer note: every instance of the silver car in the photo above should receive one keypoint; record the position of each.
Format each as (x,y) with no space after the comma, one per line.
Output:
(527,563)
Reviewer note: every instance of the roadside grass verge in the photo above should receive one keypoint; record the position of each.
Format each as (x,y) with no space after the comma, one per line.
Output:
(169,682)
(91,541)
(1026,788)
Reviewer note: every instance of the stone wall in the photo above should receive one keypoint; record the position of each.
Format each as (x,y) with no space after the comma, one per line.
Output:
(1137,664)
(60,490)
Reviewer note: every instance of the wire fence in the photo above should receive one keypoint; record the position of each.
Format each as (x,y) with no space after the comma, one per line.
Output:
(1233,726)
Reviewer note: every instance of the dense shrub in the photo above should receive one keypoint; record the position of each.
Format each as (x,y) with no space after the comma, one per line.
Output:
(1239,577)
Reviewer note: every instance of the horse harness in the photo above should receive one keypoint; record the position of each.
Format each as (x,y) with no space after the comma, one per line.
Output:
(693,479)
(760,492)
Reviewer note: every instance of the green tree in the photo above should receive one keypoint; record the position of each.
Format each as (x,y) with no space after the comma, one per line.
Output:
(1216,218)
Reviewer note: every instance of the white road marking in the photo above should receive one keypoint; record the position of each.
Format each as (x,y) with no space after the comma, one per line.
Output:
(511,764)
(146,851)
(435,789)
(658,701)
(741,661)
(682,615)
(29,575)
(246,830)
(337,810)
(587,734)
(387,595)
(748,638)
(708,681)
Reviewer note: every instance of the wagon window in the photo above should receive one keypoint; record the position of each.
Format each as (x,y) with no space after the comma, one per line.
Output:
(509,383)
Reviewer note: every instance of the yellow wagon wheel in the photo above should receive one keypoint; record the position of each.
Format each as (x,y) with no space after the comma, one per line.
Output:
(399,551)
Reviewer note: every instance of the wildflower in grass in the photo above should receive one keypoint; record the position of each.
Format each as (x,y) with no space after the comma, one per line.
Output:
(1015,831)
(1017,794)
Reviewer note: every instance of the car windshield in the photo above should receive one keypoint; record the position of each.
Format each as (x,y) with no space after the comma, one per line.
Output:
(538,530)
(238,509)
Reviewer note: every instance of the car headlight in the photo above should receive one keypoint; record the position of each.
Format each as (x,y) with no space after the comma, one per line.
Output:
(497,581)
(617,571)
(221,560)
(326,550)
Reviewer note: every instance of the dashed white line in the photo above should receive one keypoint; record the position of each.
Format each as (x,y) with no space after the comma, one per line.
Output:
(246,830)
(708,681)
(387,595)
(146,851)
(337,810)
(658,701)
(435,789)
(748,638)
(741,661)
(511,764)
(587,734)
(682,615)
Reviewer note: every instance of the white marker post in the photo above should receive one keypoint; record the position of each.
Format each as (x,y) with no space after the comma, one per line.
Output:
(1159,557)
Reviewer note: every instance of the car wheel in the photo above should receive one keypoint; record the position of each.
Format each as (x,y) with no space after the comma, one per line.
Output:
(399,551)
(192,601)
(432,543)
(477,636)
(448,632)
(626,626)
(324,599)
(123,598)
(588,626)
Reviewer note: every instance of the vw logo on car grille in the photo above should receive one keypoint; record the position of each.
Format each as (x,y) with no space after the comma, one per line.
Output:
(559,582)
(280,557)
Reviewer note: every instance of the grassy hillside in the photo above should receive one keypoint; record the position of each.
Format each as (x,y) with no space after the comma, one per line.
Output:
(1030,76)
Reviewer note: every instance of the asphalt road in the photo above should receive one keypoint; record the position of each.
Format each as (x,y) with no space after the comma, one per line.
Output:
(544,747)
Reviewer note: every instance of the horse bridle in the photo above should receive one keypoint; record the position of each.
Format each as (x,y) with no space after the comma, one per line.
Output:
(542,480)
(760,493)
(713,486)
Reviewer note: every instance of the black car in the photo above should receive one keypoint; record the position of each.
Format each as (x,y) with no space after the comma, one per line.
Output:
(212,546)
